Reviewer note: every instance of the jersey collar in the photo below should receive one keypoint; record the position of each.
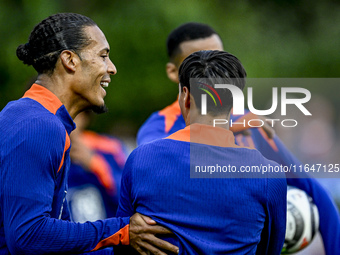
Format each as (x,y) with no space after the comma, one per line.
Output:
(52,103)
(205,134)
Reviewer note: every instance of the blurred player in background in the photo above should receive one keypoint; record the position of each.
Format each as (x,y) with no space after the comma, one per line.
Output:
(71,55)
(191,37)
(208,215)
(96,168)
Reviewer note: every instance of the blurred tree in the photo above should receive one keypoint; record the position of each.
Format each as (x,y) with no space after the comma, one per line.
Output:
(294,38)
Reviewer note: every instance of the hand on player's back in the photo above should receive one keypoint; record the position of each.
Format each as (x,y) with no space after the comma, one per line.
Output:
(142,236)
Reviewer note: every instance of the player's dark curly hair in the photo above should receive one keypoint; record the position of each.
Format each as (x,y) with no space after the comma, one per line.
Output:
(187,32)
(209,68)
(62,31)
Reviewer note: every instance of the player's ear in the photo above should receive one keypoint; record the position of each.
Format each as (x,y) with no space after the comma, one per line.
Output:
(187,97)
(172,72)
(69,60)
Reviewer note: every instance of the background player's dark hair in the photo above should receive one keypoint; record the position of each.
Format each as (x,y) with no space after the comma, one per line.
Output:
(187,32)
(62,31)
(212,67)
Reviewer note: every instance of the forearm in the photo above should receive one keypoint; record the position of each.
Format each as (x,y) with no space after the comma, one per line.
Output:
(46,235)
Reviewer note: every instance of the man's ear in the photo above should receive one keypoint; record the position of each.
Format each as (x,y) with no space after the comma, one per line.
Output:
(172,72)
(187,97)
(69,60)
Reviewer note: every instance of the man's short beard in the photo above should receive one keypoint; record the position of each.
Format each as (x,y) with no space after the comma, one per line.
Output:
(99,109)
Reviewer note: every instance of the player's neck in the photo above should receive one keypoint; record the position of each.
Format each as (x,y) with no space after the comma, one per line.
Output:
(197,118)
(60,87)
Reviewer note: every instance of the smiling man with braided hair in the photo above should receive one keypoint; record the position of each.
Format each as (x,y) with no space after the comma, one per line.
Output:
(71,55)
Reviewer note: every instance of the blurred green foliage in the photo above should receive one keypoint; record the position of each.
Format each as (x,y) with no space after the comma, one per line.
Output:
(282,38)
